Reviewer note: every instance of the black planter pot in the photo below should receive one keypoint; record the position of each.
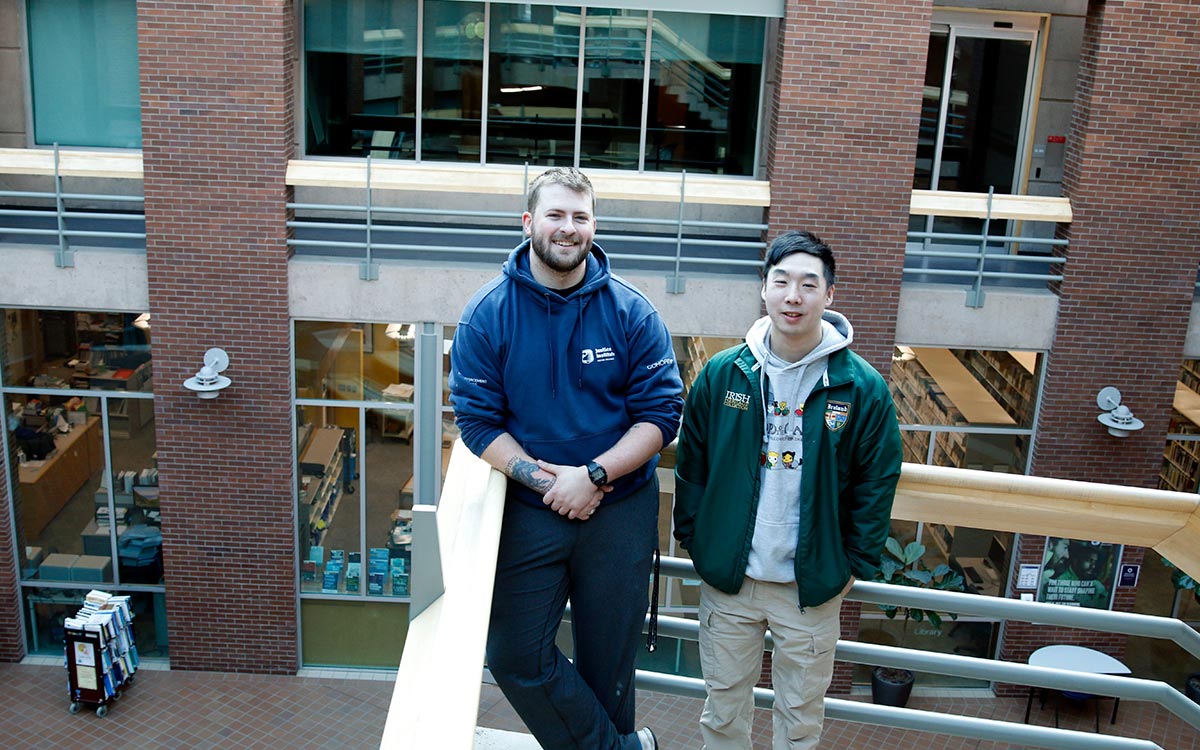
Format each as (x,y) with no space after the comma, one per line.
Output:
(891,687)
(1191,686)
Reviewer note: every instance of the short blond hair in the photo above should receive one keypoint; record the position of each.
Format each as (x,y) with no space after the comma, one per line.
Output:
(569,177)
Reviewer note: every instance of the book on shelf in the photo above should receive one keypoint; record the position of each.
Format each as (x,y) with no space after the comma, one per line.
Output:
(316,553)
(331,578)
(399,576)
(353,570)
(377,570)
(308,570)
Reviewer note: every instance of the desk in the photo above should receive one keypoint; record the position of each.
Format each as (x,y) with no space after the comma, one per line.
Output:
(47,485)
(1076,659)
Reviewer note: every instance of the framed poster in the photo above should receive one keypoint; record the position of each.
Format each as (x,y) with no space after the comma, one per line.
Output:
(1079,573)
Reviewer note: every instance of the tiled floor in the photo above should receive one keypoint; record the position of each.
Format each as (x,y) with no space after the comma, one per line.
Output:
(326,709)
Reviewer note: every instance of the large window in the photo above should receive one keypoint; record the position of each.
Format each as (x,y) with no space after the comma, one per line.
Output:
(361,69)
(358,440)
(969,409)
(509,83)
(80,444)
(83,61)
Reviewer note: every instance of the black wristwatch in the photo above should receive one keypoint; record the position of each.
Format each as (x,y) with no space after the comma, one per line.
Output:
(597,474)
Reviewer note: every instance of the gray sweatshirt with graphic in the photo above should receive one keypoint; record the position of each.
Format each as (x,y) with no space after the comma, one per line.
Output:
(785,386)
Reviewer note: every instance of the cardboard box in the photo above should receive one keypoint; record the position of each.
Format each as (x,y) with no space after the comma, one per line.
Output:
(57,567)
(92,569)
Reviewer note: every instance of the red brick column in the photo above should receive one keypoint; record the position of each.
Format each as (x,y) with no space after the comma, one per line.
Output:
(12,646)
(842,145)
(1133,177)
(217,116)
(841,148)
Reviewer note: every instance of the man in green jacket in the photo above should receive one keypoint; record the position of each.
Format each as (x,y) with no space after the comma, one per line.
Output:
(786,468)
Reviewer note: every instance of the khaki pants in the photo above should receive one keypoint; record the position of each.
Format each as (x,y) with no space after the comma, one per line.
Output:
(731,646)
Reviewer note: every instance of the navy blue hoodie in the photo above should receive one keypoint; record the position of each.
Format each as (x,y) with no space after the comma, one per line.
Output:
(565,376)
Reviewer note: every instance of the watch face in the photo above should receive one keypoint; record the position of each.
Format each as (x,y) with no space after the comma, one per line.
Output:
(597,474)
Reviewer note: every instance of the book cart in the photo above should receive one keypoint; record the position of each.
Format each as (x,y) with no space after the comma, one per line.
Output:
(101,657)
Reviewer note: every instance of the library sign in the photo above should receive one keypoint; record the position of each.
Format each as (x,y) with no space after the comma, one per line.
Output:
(1079,573)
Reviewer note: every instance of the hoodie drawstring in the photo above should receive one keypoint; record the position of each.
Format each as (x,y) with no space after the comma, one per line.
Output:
(579,327)
(550,348)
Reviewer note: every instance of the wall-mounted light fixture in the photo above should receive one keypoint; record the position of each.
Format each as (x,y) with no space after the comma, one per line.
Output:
(142,321)
(208,382)
(1116,417)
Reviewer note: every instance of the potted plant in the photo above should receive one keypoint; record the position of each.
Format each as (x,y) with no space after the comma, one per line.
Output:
(904,566)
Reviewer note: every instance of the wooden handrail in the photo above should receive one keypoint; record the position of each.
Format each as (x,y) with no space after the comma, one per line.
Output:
(496,179)
(436,699)
(1168,522)
(493,179)
(975,205)
(72,163)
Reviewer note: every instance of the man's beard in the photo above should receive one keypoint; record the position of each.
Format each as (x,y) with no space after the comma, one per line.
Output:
(545,250)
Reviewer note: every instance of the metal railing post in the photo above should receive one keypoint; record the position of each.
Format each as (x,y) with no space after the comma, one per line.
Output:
(675,282)
(975,293)
(65,257)
(369,269)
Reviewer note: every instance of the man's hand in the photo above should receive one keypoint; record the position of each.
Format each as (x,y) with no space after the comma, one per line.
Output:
(573,494)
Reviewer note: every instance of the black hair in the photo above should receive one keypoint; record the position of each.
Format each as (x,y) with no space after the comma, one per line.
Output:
(790,243)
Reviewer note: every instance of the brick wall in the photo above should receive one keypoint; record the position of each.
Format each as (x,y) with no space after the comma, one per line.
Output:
(847,87)
(1133,177)
(217,113)
(12,646)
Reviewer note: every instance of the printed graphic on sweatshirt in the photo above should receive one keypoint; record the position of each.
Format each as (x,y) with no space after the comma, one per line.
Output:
(783,435)
(774,460)
(836,414)
(780,409)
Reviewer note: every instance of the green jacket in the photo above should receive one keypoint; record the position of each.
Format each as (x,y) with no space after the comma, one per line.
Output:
(851,466)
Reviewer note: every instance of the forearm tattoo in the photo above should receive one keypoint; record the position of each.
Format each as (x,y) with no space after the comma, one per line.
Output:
(523,471)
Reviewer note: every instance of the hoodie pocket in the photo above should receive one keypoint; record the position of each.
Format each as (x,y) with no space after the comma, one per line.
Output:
(573,451)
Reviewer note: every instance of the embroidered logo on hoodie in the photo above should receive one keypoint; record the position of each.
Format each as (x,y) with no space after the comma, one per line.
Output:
(599,354)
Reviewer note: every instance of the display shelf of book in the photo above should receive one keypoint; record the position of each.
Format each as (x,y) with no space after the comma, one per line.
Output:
(920,400)
(1004,378)
(1189,374)
(1181,460)
(100,656)
(321,472)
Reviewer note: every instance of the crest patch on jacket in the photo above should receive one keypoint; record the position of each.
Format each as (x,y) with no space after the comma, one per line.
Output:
(836,414)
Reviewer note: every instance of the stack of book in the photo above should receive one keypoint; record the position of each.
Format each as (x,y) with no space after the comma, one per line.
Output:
(100,646)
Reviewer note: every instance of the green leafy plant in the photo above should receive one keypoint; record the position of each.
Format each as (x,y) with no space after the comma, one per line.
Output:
(1182,581)
(903,566)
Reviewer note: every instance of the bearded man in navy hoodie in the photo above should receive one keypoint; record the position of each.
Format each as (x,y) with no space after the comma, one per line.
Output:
(563,377)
